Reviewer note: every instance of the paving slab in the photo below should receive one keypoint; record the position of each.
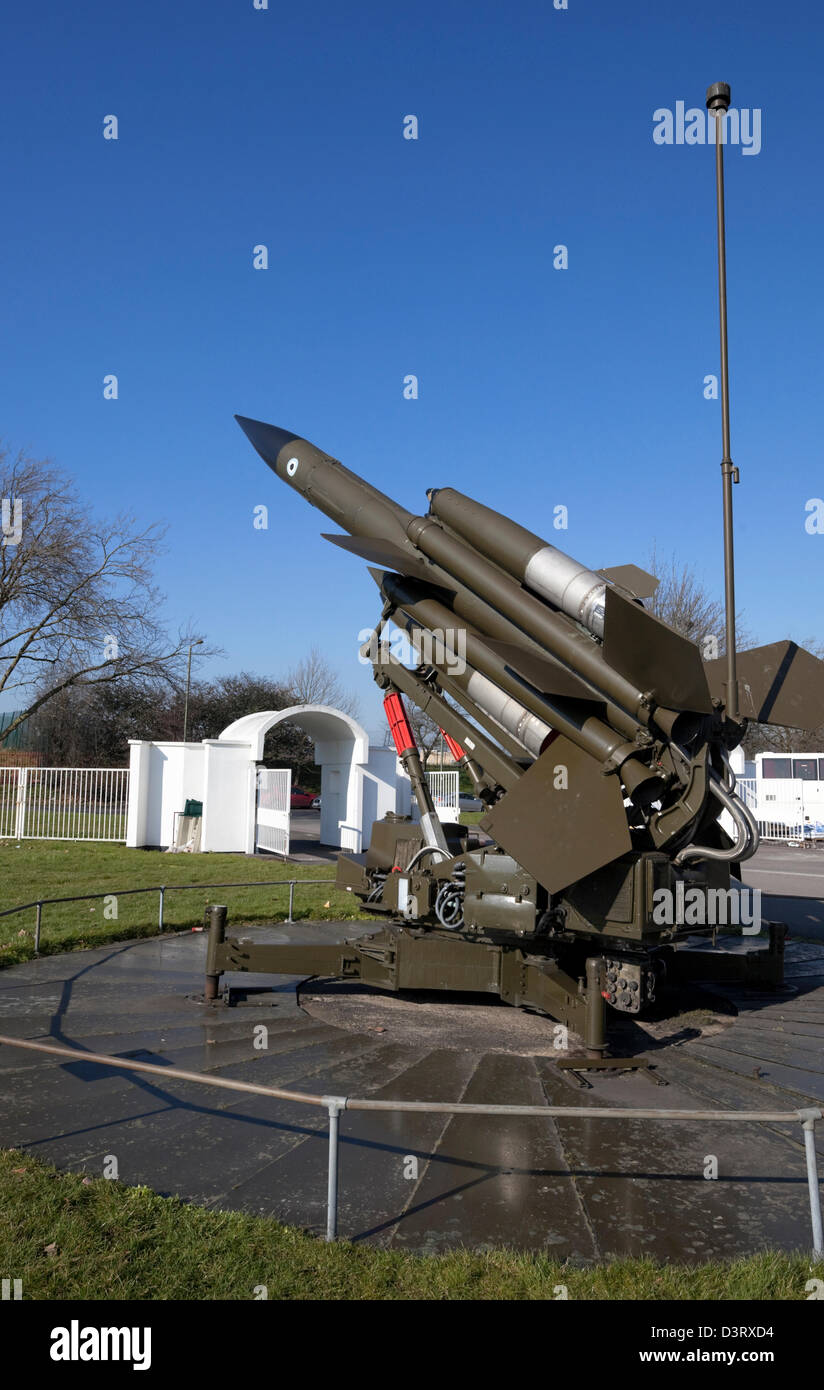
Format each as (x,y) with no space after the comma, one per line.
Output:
(580,1188)
(505,1177)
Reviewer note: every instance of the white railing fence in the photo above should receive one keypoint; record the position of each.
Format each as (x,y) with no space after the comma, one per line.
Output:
(445,793)
(272,812)
(64,803)
(786,808)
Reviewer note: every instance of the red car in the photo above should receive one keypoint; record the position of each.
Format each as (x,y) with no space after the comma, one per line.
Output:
(301,800)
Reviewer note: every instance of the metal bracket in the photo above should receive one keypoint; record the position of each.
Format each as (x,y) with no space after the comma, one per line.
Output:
(575,1065)
(334,1104)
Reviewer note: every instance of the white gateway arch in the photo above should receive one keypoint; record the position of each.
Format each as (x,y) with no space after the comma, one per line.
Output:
(359,784)
(341,751)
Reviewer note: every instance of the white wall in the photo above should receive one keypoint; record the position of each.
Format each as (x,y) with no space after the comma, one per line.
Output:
(221,774)
(139,781)
(737,761)
(164,776)
(229,797)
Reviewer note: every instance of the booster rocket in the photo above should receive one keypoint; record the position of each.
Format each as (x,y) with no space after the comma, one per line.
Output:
(564,668)
(595,734)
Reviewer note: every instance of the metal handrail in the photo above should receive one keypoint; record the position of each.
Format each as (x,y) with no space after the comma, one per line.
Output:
(808,1116)
(162,889)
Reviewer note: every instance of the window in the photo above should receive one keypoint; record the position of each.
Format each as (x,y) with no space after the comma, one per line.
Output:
(805,769)
(777,767)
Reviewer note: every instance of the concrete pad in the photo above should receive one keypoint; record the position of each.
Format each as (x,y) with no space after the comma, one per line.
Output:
(580,1188)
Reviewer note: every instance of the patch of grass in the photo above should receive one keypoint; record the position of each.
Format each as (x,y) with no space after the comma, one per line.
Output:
(33,869)
(70,1237)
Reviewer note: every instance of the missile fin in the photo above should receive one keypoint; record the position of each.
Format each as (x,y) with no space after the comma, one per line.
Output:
(653,656)
(779,684)
(561,835)
(383,553)
(548,676)
(636,581)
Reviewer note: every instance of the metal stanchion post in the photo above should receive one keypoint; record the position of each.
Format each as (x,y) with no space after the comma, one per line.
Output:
(596,1012)
(808,1119)
(217,935)
(37,923)
(334,1105)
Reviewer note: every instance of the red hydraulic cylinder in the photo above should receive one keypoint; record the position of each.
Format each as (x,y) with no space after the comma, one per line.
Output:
(454,747)
(407,750)
(399,725)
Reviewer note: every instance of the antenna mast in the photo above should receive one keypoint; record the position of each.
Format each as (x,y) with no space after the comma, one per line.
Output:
(718,100)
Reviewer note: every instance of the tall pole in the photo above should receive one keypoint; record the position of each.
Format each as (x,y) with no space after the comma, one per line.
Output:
(198,643)
(718,100)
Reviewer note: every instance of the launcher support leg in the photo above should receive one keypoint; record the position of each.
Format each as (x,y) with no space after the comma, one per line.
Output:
(400,959)
(596,1015)
(217,935)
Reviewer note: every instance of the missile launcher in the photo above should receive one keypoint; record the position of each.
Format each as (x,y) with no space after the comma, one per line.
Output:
(595,734)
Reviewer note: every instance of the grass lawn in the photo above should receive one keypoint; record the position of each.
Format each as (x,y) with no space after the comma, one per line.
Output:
(66,1236)
(32,869)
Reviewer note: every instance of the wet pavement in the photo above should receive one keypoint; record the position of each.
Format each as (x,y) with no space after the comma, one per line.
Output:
(579,1188)
(792,883)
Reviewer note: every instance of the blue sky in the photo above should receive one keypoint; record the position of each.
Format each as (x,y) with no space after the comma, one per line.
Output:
(387,256)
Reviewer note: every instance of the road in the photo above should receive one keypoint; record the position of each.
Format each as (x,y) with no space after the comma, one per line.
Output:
(792,887)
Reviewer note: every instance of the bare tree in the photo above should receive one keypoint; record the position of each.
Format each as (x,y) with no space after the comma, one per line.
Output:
(313,682)
(682,601)
(78,605)
(90,725)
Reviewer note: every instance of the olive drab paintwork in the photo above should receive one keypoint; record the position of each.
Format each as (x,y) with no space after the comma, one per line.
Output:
(602,761)
(595,734)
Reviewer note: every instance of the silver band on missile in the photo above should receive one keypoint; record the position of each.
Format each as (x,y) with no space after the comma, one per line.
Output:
(543,568)
(513,717)
(578,592)
(570,717)
(527,728)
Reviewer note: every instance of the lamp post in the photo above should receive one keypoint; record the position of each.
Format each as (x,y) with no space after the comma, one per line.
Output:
(198,643)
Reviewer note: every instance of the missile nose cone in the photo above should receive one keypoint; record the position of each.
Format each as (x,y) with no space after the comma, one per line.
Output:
(267,439)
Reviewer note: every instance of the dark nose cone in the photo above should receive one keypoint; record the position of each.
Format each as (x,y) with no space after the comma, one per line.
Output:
(267,439)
